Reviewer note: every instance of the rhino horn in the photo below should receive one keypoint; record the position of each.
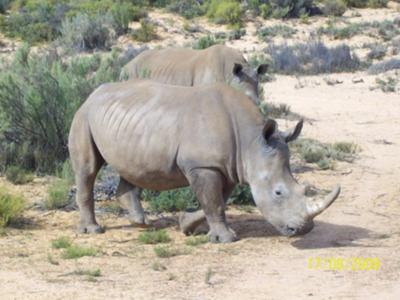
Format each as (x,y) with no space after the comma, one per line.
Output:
(316,207)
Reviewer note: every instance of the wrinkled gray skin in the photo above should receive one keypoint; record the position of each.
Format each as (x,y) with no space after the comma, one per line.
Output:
(188,67)
(210,137)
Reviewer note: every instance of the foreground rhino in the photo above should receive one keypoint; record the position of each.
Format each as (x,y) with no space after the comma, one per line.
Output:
(188,67)
(210,137)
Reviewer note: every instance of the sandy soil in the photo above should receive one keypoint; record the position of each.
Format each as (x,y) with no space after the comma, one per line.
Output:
(364,222)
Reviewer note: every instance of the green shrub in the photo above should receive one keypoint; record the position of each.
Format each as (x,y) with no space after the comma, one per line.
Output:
(384,66)
(196,240)
(388,85)
(205,42)
(10,207)
(154,237)
(265,33)
(146,32)
(167,251)
(17,175)
(75,251)
(66,172)
(85,32)
(312,58)
(241,195)
(225,12)
(61,242)
(123,13)
(377,51)
(377,3)
(57,195)
(39,94)
(324,155)
(36,21)
(173,200)
(356,3)
(286,8)
(186,8)
(334,8)
(345,32)
(4,5)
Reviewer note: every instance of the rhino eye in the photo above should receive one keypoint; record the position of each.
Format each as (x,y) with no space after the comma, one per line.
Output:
(278,193)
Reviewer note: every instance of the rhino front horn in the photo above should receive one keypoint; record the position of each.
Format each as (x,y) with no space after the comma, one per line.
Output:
(316,207)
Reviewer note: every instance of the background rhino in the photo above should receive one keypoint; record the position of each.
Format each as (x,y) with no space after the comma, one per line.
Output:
(209,137)
(188,67)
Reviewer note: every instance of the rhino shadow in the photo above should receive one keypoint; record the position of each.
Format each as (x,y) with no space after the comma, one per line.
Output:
(323,235)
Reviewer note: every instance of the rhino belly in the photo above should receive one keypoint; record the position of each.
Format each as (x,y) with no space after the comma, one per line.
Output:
(140,143)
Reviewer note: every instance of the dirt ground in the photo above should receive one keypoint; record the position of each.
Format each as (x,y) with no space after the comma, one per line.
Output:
(364,222)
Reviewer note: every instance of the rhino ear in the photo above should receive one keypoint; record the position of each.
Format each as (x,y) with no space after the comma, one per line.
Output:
(262,69)
(293,133)
(237,69)
(269,129)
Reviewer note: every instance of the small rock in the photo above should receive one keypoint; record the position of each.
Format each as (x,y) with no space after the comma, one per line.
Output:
(357,80)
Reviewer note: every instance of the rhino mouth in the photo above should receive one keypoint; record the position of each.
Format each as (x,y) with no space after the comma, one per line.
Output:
(290,230)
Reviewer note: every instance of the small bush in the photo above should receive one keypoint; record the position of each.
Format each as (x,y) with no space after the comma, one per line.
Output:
(75,251)
(61,243)
(154,237)
(334,8)
(388,85)
(167,251)
(66,172)
(346,32)
(173,200)
(17,175)
(186,8)
(356,3)
(377,3)
(278,111)
(324,155)
(88,273)
(196,240)
(84,32)
(377,51)
(312,58)
(146,32)
(4,5)
(384,66)
(157,266)
(123,13)
(285,31)
(205,42)
(286,8)
(10,207)
(241,195)
(226,12)
(57,195)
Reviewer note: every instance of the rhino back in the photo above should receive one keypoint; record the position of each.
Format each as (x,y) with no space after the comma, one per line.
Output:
(186,67)
(153,134)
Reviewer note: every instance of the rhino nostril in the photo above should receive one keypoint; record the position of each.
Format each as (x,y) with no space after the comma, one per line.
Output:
(290,230)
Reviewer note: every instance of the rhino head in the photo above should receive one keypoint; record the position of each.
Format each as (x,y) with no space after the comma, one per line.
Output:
(247,79)
(280,198)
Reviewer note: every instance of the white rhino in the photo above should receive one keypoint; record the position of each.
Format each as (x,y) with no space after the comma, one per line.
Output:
(188,67)
(207,137)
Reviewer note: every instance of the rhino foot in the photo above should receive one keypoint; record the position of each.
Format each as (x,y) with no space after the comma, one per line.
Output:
(93,228)
(226,236)
(189,221)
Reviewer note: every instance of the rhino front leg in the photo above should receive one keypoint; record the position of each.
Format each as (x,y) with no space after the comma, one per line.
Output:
(190,221)
(208,187)
(129,197)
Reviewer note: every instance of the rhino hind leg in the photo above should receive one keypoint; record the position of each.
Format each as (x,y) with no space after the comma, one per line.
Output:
(208,187)
(190,221)
(128,196)
(86,161)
